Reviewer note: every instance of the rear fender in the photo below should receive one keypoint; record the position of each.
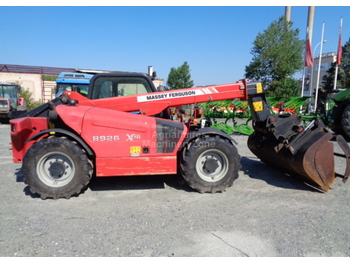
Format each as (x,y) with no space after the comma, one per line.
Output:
(205,132)
(342,96)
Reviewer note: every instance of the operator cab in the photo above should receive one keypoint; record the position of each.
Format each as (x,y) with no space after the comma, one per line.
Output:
(9,90)
(112,85)
(122,84)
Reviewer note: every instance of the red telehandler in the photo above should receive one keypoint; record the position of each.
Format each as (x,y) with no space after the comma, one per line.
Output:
(63,143)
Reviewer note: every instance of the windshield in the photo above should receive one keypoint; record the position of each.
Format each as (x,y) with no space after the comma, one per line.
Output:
(80,88)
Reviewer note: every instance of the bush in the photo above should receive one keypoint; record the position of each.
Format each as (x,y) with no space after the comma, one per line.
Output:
(28,97)
(49,77)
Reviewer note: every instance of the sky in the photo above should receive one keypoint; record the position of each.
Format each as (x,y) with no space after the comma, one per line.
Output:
(216,41)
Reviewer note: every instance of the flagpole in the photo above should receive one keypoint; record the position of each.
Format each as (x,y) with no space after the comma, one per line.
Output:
(319,68)
(303,79)
(303,82)
(335,76)
(338,54)
(308,58)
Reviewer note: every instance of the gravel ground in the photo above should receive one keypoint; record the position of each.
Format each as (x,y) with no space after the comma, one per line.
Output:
(264,214)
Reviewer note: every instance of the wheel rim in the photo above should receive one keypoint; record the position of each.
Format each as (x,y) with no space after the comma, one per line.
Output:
(55,169)
(212,165)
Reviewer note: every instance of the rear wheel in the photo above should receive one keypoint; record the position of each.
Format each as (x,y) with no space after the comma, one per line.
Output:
(210,164)
(345,121)
(56,167)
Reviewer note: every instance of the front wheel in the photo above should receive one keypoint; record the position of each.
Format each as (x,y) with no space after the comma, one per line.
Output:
(56,167)
(210,164)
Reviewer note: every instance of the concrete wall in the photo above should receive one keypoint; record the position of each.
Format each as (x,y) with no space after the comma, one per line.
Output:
(27,81)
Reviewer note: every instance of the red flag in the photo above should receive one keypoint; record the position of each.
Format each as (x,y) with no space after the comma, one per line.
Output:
(309,60)
(340,48)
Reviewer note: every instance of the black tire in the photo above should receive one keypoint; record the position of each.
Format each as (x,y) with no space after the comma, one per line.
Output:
(210,164)
(345,122)
(56,167)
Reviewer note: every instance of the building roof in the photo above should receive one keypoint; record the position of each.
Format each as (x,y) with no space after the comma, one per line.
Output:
(44,70)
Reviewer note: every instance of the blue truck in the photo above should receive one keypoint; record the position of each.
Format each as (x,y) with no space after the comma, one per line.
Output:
(77,82)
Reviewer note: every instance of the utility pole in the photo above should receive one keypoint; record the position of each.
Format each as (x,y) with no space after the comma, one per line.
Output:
(288,11)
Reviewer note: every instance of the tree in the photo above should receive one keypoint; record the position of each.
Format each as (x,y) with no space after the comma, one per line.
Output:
(287,87)
(180,77)
(343,77)
(277,55)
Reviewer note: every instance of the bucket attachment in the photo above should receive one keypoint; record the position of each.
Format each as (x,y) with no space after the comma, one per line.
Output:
(304,152)
(309,158)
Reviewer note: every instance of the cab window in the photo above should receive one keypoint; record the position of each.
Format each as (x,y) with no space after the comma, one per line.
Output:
(105,87)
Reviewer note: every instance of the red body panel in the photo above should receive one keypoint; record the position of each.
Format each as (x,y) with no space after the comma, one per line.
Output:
(133,166)
(73,116)
(119,141)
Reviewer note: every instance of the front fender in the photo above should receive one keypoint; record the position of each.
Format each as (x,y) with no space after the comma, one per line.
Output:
(61,132)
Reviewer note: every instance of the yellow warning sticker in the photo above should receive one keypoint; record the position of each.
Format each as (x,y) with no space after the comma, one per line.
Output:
(258,106)
(259,88)
(135,150)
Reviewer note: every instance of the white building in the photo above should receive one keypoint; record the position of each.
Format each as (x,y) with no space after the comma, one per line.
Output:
(311,73)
